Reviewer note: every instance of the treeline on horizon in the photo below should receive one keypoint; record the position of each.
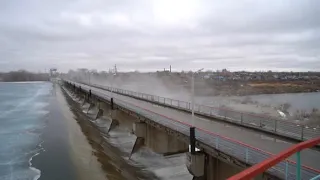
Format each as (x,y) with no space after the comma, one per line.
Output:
(95,71)
(22,75)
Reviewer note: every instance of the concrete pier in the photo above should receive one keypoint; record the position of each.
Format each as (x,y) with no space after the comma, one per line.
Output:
(163,143)
(218,169)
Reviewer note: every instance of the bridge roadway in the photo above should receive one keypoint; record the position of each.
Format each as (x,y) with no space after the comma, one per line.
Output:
(266,143)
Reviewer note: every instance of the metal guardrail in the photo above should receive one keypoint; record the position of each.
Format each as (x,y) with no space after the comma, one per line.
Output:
(261,167)
(269,124)
(239,150)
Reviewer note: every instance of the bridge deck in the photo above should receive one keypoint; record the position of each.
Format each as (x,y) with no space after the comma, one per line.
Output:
(264,142)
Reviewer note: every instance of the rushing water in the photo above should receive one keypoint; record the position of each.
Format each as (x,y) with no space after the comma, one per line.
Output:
(305,101)
(298,101)
(42,139)
(118,144)
(22,117)
(268,102)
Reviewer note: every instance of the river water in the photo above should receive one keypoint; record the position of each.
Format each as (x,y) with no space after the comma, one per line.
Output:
(22,117)
(298,101)
(43,136)
(40,139)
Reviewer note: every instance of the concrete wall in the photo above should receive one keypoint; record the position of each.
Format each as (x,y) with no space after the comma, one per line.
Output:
(125,120)
(106,109)
(162,143)
(216,169)
(219,170)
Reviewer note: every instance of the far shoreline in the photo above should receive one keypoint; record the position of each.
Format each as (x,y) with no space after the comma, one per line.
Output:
(261,94)
(22,82)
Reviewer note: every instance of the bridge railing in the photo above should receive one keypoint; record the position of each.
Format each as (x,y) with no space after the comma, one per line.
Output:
(269,124)
(241,151)
(275,160)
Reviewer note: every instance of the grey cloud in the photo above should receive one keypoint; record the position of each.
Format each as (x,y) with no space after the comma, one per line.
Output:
(96,34)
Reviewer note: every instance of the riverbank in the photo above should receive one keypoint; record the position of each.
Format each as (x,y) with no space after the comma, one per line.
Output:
(296,107)
(246,88)
(171,83)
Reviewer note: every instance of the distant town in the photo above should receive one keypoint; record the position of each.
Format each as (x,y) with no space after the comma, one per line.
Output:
(225,75)
(208,82)
(219,82)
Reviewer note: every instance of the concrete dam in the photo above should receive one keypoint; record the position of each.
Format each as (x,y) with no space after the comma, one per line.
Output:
(216,157)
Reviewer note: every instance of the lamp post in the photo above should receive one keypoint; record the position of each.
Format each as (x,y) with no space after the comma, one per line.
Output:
(192,128)
(112,78)
(90,78)
(111,92)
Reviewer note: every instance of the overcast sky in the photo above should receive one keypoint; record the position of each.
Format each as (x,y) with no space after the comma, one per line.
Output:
(149,35)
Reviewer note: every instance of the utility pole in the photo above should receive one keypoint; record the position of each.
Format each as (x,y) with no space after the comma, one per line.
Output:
(89,78)
(115,69)
(192,128)
(113,73)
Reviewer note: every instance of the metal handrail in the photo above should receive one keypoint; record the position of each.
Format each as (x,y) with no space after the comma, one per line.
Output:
(244,152)
(268,163)
(269,124)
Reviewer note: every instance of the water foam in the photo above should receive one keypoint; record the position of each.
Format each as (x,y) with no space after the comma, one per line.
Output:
(42,91)
(20,131)
(37,171)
